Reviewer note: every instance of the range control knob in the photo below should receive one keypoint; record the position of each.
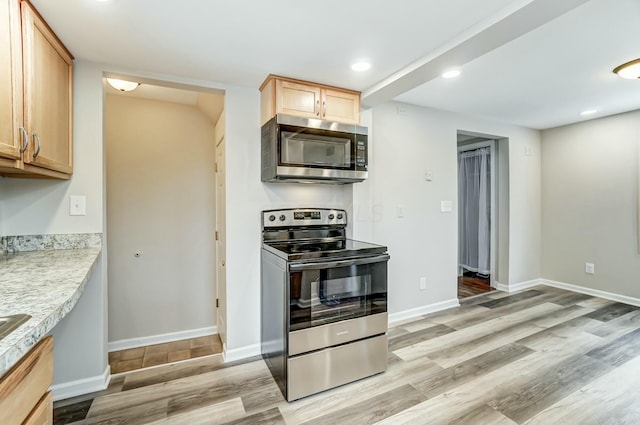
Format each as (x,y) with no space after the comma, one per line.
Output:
(339,216)
(331,216)
(272,217)
(282,217)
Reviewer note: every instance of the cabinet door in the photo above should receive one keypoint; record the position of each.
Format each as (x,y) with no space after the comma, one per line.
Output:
(10,80)
(297,99)
(22,387)
(42,414)
(340,106)
(48,74)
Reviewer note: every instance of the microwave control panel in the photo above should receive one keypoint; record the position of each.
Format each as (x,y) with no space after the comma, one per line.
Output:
(361,154)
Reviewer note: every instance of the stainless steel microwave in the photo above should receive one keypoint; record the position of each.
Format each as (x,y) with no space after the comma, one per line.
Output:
(296,149)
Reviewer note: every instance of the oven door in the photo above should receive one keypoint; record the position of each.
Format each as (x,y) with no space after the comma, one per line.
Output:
(335,290)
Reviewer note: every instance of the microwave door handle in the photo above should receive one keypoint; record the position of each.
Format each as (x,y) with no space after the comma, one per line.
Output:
(339,263)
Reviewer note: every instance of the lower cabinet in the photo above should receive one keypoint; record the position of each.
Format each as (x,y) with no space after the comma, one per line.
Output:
(42,414)
(24,395)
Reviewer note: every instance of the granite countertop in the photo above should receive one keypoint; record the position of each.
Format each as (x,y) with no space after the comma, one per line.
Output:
(45,284)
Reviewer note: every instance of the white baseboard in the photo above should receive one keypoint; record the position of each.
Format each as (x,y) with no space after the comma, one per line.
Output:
(514,287)
(594,292)
(81,386)
(240,353)
(143,341)
(421,311)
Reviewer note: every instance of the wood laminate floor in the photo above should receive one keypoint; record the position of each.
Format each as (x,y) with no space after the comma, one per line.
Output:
(541,356)
(468,286)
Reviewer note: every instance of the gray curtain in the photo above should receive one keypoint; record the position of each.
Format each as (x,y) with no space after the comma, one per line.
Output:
(474,218)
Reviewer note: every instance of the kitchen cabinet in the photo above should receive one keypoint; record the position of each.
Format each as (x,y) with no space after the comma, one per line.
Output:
(36,85)
(11,139)
(281,95)
(24,395)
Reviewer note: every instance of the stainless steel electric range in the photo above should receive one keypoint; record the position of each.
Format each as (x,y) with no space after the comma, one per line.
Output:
(323,301)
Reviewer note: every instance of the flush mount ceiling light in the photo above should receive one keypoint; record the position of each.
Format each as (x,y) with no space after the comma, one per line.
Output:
(360,66)
(629,70)
(451,74)
(589,112)
(122,85)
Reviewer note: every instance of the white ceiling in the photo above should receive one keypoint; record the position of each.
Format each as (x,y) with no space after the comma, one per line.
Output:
(535,63)
(210,104)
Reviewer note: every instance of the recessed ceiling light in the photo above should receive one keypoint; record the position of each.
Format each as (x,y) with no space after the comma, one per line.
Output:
(451,74)
(361,66)
(629,70)
(122,85)
(588,112)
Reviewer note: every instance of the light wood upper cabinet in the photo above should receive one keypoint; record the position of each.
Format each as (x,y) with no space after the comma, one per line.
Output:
(341,106)
(280,95)
(10,82)
(48,75)
(297,99)
(41,95)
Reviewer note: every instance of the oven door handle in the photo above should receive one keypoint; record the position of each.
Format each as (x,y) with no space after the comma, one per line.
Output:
(339,263)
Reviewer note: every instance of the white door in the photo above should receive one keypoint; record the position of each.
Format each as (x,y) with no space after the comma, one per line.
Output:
(221,269)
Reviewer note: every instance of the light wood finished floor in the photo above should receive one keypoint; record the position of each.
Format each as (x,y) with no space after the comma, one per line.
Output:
(541,356)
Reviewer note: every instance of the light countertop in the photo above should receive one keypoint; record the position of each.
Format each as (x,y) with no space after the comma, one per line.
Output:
(44,284)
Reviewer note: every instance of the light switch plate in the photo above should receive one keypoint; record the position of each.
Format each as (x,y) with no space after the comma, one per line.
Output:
(446,206)
(77,205)
(589,268)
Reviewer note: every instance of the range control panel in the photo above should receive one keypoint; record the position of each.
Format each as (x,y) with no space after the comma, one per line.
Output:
(303,217)
(307,215)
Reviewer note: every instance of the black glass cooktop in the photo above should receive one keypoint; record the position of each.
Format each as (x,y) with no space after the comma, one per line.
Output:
(310,250)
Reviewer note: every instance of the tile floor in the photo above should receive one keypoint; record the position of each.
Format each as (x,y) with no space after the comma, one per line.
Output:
(154,355)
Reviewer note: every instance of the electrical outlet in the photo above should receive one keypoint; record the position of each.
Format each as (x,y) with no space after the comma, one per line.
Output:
(589,268)
(423,283)
(428,174)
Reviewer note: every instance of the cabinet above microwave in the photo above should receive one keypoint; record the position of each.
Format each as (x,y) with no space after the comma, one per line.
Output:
(281,95)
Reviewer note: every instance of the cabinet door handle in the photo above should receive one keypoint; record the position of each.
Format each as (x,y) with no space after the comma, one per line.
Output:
(324,109)
(318,107)
(35,136)
(25,139)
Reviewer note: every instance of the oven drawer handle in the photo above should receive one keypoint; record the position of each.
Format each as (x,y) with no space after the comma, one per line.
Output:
(340,263)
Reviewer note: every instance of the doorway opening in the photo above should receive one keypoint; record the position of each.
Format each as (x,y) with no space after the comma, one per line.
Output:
(478,179)
(160,145)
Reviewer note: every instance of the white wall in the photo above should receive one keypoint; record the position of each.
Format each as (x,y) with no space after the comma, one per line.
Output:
(78,342)
(161,203)
(246,194)
(32,207)
(404,145)
(424,241)
(246,197)
(590,204)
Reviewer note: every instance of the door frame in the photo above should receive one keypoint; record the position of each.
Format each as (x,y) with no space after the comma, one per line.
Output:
(221,281)
(491,142)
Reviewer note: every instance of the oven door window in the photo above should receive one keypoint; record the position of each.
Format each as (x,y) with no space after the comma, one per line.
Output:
(312,150)
(321,296)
